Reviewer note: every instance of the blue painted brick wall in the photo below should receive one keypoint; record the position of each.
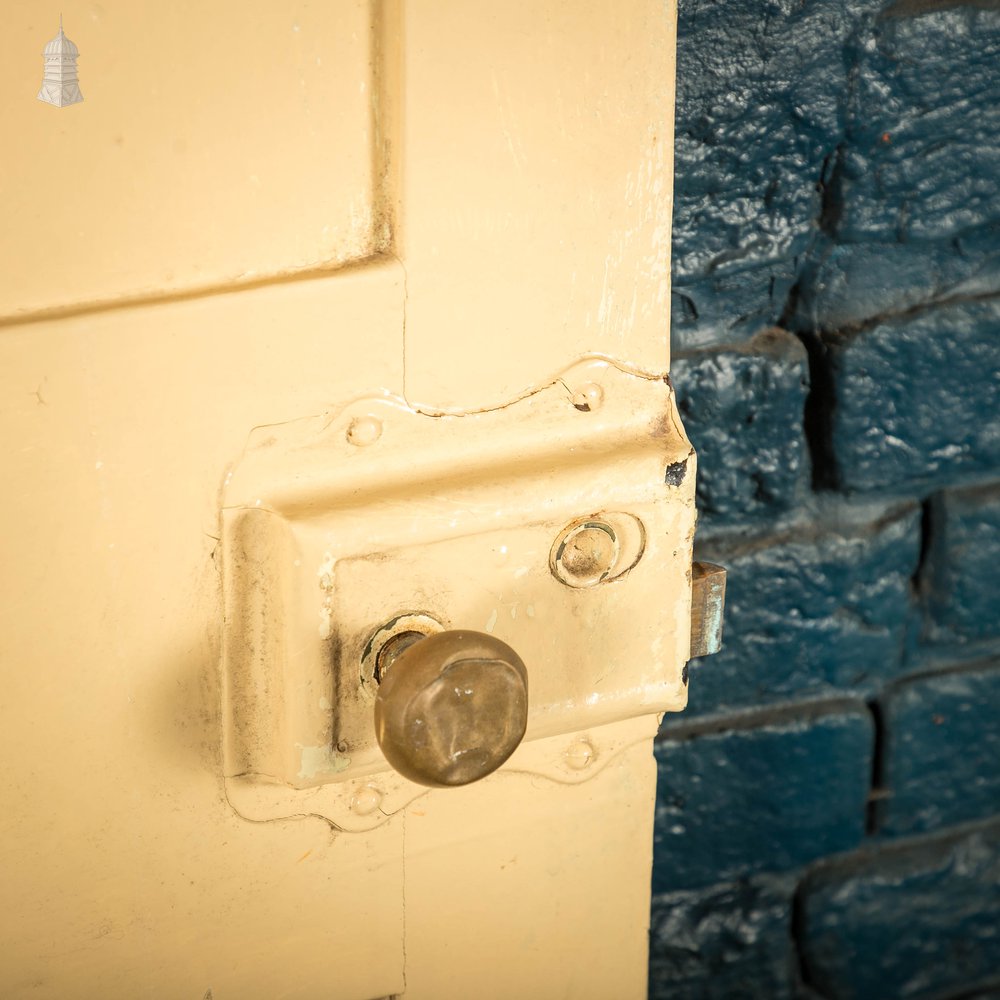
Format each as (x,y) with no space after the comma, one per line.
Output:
(961,576)
(804,778)
(919,922)
(916,399)
(913,184)
(828,810)
(941,750)
(816,611)
(729,940)
(745,405)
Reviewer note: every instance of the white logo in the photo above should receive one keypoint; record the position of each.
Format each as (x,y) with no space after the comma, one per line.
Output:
(60,86)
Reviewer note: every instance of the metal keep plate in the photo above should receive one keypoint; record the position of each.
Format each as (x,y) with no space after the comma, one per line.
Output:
(561,523)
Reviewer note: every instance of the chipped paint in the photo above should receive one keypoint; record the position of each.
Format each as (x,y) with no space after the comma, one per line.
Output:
(321,760)
(325,621)
(325,574)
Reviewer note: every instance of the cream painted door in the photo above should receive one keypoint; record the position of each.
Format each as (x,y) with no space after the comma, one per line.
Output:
(258,212)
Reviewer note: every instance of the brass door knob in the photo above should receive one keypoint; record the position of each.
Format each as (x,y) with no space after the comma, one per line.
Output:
(451,707)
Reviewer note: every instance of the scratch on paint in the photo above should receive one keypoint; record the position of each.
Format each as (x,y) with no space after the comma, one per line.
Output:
(516,153)
(643,250)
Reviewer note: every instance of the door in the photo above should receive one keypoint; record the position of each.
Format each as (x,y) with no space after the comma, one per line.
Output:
(257,214)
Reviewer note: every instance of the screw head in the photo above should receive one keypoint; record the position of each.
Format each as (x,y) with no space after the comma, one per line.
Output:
(588,396)
(364,431)
(366,800)
(579,754)
(585,554)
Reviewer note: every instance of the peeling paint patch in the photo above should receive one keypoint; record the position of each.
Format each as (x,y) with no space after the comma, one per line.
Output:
(325,571)
(325,574)
(321,760)
(675,473)
(325,622)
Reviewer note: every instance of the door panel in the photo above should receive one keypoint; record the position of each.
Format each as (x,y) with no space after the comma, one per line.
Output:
(496,178)
(125,870)
(216,143)
(551,901)
(536,179)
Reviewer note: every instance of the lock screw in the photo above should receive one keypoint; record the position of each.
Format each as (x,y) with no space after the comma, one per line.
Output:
(580,754)
(588,396)
(366,800)
(364,431)
(586,554)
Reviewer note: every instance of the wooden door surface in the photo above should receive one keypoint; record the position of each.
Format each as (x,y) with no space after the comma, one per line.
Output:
(260,211)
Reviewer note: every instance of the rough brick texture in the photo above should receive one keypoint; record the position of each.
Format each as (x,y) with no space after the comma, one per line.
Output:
(803,780)
(914,187)
(941,761)
(918,923)
(961,578)
(760,105)
(815,614)
(838,178)
(732,940)
(742,408)
(923,157)
(916,399)
(724,308)
(844,286)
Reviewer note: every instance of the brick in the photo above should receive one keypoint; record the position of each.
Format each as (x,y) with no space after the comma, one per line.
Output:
(961,577)
(729,941)
(910,923)
(742,408)
(758,91)
(729,307)
(760,105)
(922,161)
(913,192)
(844,285)
(764,798)
(878,132)
(941,762)
(916,400)
(810,615)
